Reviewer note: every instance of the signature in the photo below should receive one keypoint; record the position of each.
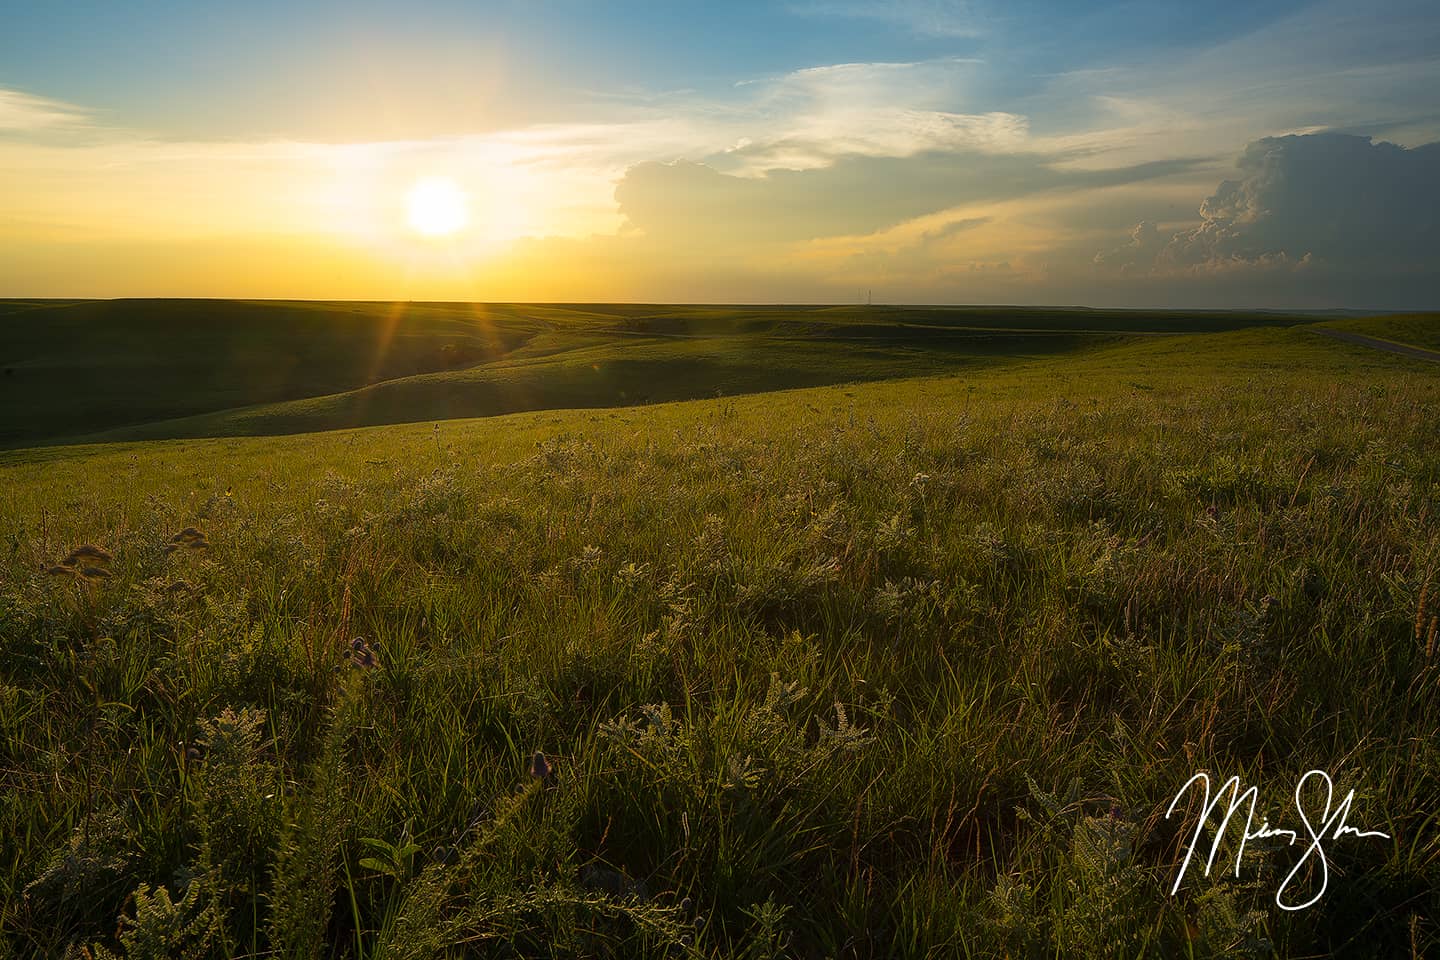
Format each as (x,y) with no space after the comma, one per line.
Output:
(1331,825)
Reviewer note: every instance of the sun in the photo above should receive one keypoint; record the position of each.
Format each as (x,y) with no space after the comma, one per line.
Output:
(436,207)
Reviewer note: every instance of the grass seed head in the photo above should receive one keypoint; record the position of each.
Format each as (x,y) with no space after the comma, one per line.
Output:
(540,768)
(89,552)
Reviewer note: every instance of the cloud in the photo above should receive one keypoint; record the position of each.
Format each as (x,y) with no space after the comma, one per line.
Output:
(1333,201)
(808,117)
(802,185)
(1146,243)
(815,141)
(1323,65)
(954,227)
(693,204)
(23,113)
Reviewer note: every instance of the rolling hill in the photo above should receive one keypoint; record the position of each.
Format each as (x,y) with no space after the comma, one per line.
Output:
(133,369)
(907,668)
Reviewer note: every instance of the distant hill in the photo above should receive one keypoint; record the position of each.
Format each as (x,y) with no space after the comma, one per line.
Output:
(169,368)
(1412,329)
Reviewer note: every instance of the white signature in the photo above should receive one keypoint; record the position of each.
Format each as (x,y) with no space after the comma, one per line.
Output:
(1331,826)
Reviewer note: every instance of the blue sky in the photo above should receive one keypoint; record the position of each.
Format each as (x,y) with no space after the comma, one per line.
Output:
(1060,129)
(268,67)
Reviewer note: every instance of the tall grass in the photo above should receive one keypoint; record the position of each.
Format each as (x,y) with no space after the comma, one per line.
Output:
(909,669)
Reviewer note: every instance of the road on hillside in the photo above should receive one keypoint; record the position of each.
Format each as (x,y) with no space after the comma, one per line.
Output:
(1378,344)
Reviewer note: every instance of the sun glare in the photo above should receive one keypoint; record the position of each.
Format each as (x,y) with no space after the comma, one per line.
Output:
(436,207)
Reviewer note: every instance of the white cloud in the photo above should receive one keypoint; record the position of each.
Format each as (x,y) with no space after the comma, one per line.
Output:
(1333,65)
(21,112)
(817,141)
(808,118)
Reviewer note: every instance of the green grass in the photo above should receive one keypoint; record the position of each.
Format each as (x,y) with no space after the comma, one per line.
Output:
(891,669)
(141,369)
(638,370)
(1415,330)
(79,367)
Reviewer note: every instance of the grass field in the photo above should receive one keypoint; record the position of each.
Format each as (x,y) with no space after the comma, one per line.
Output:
(1415,329)
(888,669)
(154,369)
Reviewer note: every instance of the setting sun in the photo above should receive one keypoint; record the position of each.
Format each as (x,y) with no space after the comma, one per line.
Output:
(436,207)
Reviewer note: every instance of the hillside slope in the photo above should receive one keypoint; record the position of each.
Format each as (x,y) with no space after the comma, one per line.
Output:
(901,669)
(78,367)
(158,368)
(1414,330)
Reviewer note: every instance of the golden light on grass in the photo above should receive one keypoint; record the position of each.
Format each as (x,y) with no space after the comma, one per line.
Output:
(87,551)
(437,207)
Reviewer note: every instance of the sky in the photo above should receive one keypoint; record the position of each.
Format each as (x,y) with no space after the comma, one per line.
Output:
(1144,154)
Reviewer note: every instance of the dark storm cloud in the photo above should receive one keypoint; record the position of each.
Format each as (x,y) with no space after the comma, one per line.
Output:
(1329,202)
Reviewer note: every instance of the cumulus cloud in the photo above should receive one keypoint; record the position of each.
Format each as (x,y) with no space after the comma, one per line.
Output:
(1329,201)
(1145,245)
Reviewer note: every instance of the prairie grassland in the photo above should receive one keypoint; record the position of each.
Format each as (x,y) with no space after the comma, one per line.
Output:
(1413,329)
(898,669)
(163,369)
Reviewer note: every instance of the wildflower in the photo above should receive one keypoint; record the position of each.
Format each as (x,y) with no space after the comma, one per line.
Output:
(361,654)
